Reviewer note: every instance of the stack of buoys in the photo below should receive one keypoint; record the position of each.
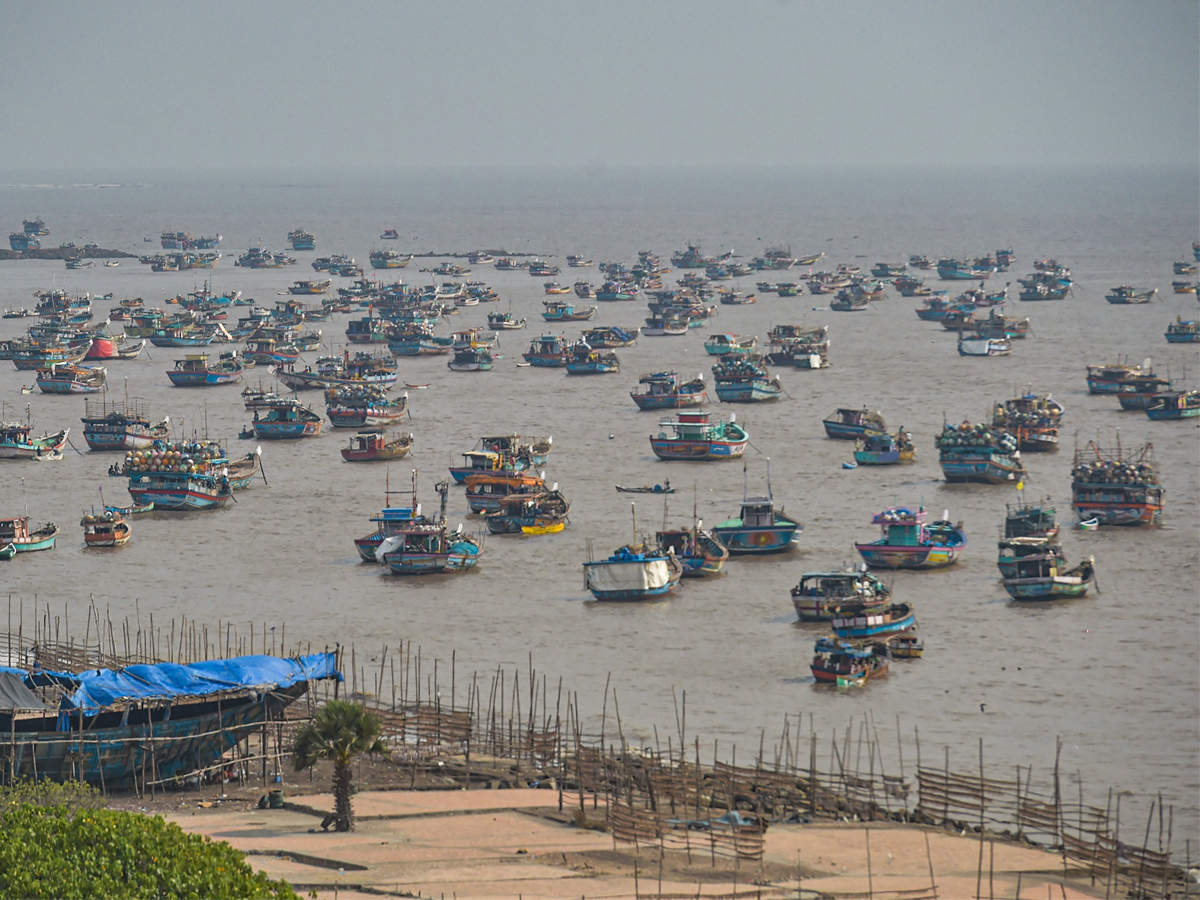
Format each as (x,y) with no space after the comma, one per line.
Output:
(968,435)
(1106,471)
(188,457)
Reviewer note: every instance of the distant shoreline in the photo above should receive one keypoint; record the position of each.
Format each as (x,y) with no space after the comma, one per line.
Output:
(65,252)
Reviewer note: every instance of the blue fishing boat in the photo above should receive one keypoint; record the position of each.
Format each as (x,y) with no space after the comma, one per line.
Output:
(724,344)
(853,621)
(1036,569)
(949,269)
(563,311)
(1174,405)
(632,573)
(850,424)
(759,528)
(908,543)
(848,664)
(179,490)
(422,546)
(17,442)
(286,419)
(20,241)
(15,532)
(744,380)
(883,449)
(1117,486)
(664,390)
(471,359)
(583,359)
(301,239)
(549,351)
(977,453)
(1183,332)
(194,371)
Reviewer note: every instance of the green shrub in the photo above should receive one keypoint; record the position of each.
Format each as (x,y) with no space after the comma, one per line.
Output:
(53,851)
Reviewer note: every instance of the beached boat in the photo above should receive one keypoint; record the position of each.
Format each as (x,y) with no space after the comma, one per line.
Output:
(694,437)
(632,573)
(743,380)
(849,424)
(1183,332)
(907,542)
(421,546)
(120,426)
(15,532)
(286,420)
(978,453)
(846,664)
(818,595)
(72,378)
(17,442)
(1033,419)
(854,621)
(664,390)
(1174,405)
(194,370)
(1117,486)
(1035,569)
(370,446)
(759,528)
(1128,294)
(883,449)
(167,718)
(106,529)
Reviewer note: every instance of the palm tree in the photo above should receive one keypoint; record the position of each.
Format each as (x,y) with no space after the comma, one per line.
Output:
(339,732)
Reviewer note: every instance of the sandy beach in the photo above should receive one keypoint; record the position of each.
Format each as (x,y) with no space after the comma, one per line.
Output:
(516,843)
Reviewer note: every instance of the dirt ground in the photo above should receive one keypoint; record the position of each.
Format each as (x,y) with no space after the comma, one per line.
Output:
(442,842)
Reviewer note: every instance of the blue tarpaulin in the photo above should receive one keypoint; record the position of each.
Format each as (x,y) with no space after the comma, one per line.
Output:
(98,688)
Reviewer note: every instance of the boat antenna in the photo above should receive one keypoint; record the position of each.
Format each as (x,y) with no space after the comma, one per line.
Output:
(770,496)
(633,512)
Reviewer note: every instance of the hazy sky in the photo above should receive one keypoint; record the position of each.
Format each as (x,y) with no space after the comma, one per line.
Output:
(235,83)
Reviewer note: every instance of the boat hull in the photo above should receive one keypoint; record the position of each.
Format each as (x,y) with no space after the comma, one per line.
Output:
(674,449)
(743,540)
(462,556)
(891,556)
(985,467)
(203,379)
(276,431)
(178,492)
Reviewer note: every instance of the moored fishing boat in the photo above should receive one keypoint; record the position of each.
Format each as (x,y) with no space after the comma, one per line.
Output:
(583,359)
(664,390)
(818,595)
(72,378)
(740,379)
(984,346)
(723,344)
(563,311)
(486,490)
(844,663)
(547,351)
(370,446)
(286,420)
(544,512)
(1106,378)
(15,532)
(883,449)
(179,475)
(854,621)
(1183,332)
(1174,405)
(1030,520)
(17,442)
(1035,569)
(663,488)
(759,528)
(849,424)
(907,542)
(360,369)
(609,337)
(194,370)
(632,573)
(694,437)
(471,359)
(1128,294)
(388,259)
(699,550)
(1032,419)
(364,406)
(977,453)
(421,546)
(504,321)
(106,529)
(1117,486)
(301,239)
(120,426)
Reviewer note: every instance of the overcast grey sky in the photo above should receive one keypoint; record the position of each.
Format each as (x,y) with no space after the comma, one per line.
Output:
(297,83)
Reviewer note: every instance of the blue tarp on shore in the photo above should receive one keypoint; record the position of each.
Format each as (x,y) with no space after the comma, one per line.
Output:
(98,688)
